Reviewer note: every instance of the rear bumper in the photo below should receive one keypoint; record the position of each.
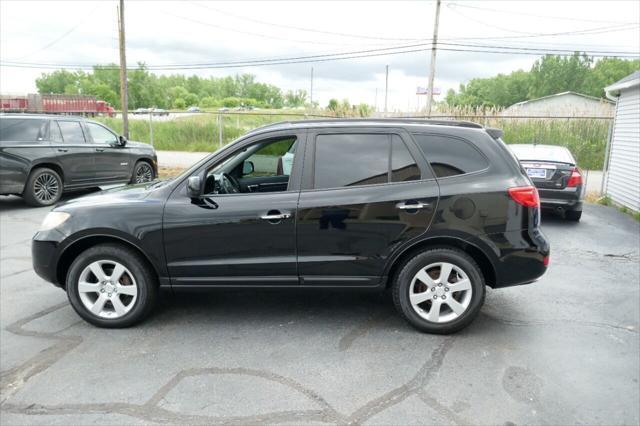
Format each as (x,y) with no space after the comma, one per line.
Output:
(567,198)
(521,257)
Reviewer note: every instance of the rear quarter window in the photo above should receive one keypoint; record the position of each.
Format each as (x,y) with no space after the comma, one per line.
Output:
(23,130)
(450,156)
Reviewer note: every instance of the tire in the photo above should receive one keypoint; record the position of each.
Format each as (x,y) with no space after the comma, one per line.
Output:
(471,299)
(142,172)
(137,273)
(573,215)
(43,188)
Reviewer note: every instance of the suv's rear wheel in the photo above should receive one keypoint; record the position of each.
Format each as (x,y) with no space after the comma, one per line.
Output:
(439,290)
(111,286)
(43,188)
(142,172)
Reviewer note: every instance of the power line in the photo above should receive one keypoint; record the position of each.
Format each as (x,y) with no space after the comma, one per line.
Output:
(563,18)
(63,35)
(320,58)
(311,30)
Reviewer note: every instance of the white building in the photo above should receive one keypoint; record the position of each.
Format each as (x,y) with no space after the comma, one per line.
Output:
(622,179)
(565,104)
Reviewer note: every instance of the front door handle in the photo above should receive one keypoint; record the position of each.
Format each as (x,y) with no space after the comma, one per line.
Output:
(99,149)
(275,216)
(414,206)
(63,149)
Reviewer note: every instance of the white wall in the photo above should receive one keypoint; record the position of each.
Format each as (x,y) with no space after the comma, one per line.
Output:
(565,105)
(623,177)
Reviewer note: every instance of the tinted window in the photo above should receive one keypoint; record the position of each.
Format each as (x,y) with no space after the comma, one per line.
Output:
(450,156)
(22,129)
(403,166)
(350,160)
(71,131)
(54,132)
(100,135)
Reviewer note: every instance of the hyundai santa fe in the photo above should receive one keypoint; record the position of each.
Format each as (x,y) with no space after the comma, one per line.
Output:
(41,156)
(433,210)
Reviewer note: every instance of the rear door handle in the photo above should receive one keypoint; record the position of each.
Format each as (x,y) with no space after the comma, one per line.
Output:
(414,206)
(99,149)
(63,149)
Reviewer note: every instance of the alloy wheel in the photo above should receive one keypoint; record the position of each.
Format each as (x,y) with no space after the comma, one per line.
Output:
(440,292)
(107,289)
(144,173)
(46,188)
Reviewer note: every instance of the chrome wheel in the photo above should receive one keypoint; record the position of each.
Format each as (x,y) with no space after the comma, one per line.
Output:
(46,188)
(440,292)
(144,173)
(107,289)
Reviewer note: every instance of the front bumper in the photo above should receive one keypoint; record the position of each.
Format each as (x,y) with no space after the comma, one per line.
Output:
(43,255)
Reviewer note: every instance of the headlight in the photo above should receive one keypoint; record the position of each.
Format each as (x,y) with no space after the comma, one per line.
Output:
(53,220)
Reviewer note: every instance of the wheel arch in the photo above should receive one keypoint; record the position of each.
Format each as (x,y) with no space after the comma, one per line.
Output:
(479,256)
(72,251)
(50,165)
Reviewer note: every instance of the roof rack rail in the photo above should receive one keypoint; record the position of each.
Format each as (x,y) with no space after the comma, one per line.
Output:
(411,120)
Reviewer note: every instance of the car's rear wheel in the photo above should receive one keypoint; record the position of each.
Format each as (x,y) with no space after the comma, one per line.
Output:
(573,215)
(112,286)
(142,172)
(43,187)
(439,290)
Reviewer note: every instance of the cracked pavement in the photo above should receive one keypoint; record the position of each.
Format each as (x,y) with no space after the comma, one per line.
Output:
(564,350)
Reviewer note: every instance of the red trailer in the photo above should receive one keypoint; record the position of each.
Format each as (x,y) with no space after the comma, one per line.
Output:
(57,104)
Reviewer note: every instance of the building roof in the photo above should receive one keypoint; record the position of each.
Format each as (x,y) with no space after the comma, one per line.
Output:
(632,80)
(594,98)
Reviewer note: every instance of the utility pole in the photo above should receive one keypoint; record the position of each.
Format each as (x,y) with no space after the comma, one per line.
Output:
(432,66)
(311,92)
(386,88)
(124,87)
(376,101)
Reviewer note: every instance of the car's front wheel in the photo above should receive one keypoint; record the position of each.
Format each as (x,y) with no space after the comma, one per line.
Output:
(439,290)
(112,286)
(142,172)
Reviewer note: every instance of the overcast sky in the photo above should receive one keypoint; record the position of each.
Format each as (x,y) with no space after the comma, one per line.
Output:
(165,32)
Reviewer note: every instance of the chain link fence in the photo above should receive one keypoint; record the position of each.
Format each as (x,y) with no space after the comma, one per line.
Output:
(585,137)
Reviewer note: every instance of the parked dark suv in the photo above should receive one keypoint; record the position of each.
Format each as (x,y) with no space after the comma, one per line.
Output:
(43,155)
(434,210)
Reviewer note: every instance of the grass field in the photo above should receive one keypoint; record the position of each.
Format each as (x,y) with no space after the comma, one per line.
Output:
(585,138)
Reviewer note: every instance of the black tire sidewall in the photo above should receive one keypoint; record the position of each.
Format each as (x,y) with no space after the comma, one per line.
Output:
(29,193)
(132,261)
(412,266)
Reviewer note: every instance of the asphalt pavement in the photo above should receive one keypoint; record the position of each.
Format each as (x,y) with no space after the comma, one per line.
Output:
(564,350)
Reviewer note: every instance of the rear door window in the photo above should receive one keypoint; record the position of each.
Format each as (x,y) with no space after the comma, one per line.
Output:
(54,132)
(450,156)
(71,131)
(23,129)
(403,166)
(343,160)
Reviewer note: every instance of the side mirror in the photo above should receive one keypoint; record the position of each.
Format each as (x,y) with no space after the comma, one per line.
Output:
(122,141)
(194,187)
(247,168)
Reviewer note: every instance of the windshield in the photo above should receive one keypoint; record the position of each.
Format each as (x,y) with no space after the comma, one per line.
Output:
(556,154)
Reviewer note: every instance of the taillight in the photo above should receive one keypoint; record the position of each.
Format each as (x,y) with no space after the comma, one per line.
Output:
(576,178)
(525,195)
(545,261)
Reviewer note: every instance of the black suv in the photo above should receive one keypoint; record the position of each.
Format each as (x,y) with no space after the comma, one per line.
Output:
(43,155)
(434,210)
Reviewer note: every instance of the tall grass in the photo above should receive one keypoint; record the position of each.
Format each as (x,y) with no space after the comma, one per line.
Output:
(585,138)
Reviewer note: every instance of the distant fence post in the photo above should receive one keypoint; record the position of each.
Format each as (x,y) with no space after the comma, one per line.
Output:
(220,121)
(151,128)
